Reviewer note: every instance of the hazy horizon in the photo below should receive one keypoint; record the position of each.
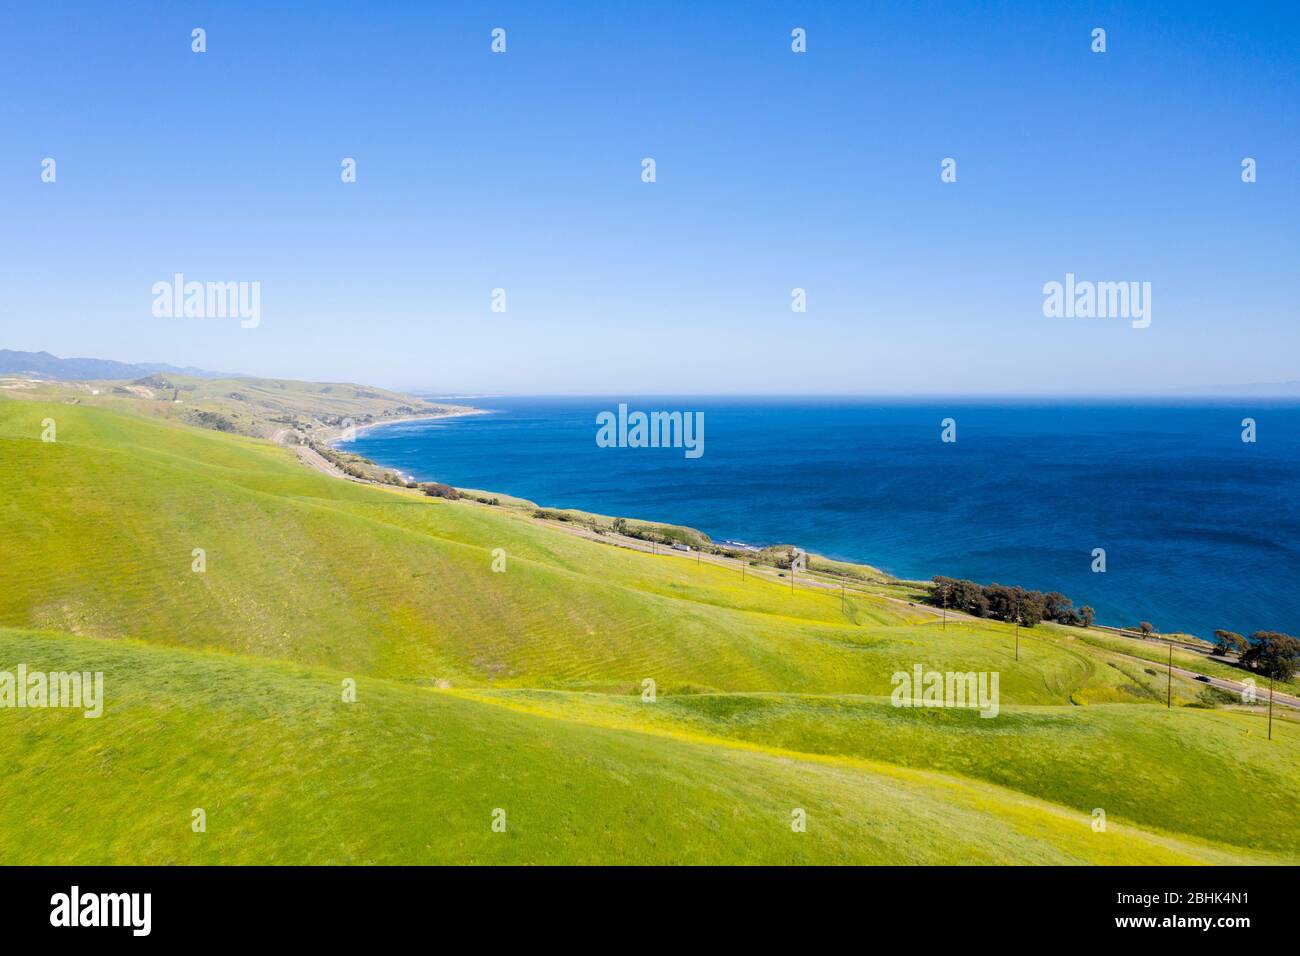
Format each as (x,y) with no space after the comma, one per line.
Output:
(1287,389)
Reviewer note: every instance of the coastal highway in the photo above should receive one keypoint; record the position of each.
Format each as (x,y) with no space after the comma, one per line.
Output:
(311,458)
(1235,687)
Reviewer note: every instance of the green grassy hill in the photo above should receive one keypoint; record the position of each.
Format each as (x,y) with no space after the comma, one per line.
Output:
(250,406)
(1135,761)
(223,690)
(285,772)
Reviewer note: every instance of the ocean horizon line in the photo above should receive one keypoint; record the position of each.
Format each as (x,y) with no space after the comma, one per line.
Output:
(920,398)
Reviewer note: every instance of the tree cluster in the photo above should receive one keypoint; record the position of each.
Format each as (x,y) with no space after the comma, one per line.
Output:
(1010,604)
(1272,654)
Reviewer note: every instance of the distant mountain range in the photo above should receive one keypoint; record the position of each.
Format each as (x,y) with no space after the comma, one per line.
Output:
(45,365)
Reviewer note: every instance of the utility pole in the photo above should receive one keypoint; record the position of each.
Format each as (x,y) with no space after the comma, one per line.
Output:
(1270,706)
(1017,638)
(1169,683)
(945,610)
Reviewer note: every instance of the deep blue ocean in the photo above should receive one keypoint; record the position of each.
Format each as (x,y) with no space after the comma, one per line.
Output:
(1201,530)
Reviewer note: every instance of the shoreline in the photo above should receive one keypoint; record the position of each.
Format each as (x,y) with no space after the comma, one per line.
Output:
(467,411)
(332,436)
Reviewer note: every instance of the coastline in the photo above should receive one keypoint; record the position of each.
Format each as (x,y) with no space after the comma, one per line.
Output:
(869,570)
(311,450)
(330,436)
(1119,620)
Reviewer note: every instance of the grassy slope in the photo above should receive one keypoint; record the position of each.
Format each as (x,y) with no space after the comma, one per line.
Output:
(1157,653)
(253,406)
(1135,761)
(103,523)
(287,773)
(98,530)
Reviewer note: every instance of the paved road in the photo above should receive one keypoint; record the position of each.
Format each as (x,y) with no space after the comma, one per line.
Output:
(1236,687)
(312,458)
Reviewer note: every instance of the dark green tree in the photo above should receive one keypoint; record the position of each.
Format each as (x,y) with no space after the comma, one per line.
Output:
(1057,607)
(1272,654)
(1230,642)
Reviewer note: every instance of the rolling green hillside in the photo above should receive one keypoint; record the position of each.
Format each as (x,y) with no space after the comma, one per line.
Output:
(1134,761)
(308,568)
(223,690)
(250,406)
(285,772)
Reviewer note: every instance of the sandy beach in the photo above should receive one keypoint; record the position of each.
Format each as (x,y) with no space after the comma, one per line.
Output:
(331,435)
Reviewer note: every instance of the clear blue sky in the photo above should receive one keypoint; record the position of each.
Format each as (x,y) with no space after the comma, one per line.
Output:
(775,170)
